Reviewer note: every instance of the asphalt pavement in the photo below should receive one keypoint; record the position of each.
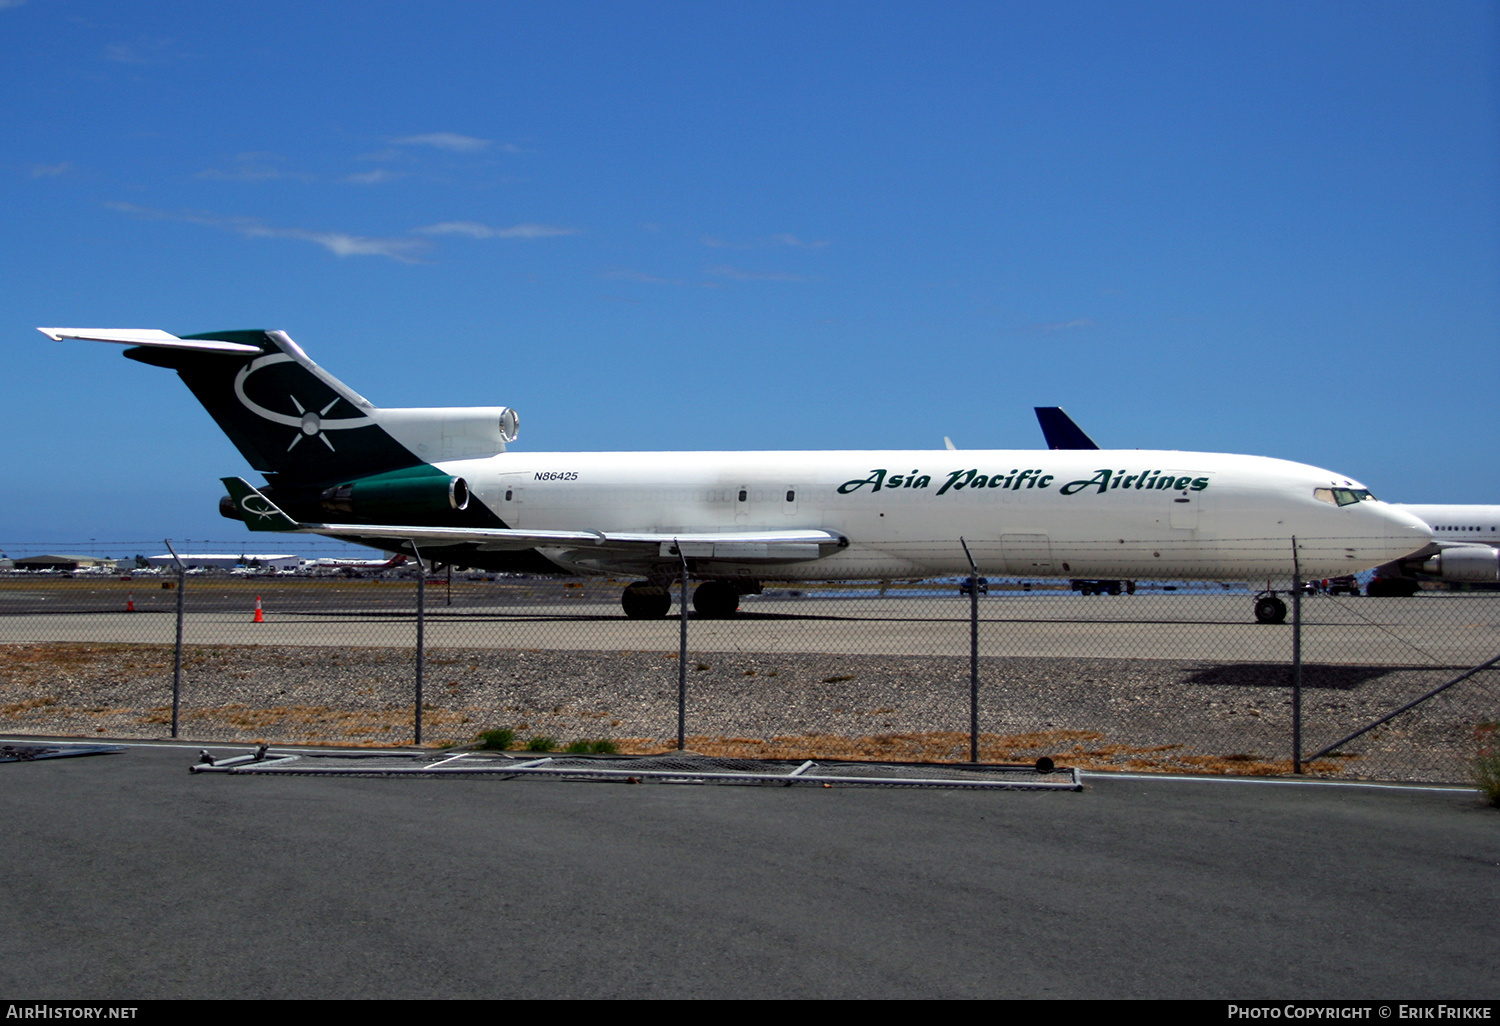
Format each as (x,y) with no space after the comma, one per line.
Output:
(128,878)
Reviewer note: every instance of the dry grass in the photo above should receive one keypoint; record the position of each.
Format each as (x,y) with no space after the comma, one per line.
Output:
(15,710)
(55,678)
(24,663)
(1069,748)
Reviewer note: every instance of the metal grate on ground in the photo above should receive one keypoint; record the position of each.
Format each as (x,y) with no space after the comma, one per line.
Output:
(683,768)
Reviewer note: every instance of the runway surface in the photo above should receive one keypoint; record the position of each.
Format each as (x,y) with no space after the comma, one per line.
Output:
(1450,630)
(128,878)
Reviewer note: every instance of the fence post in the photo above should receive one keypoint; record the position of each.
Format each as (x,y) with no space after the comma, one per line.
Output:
(1296,660)
(973,652)
(421,623)
(177,656)
(682,650)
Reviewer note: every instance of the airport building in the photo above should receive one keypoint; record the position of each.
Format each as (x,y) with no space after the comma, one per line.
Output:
(68,563)
(221,561)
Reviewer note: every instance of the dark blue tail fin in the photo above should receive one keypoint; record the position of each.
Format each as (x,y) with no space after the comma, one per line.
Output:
(1060,431)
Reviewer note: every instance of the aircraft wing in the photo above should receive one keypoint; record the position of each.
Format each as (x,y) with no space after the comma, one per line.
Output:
(261,514)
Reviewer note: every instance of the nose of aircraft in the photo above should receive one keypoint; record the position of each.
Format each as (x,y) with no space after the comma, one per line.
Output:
(1403,533)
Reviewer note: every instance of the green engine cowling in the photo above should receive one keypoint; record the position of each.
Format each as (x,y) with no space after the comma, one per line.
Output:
(401,494)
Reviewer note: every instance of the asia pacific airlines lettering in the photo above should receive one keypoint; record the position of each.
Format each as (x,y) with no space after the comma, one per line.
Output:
(1104,480)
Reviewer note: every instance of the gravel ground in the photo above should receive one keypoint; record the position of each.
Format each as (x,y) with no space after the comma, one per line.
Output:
(1091,713)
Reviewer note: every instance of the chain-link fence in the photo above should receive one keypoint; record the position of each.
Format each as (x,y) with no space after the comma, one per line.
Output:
(1165,678)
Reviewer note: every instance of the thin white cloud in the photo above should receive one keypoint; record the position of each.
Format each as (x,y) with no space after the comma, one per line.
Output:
(641,276)
(476,230)
(10,3)
(376,177)
(740,274)
(142,50)
(445,141)
(50,170)
(340,244)
(1056,326)
(247,173)
(252,167)
(792,240)
(625,274)
(715,242)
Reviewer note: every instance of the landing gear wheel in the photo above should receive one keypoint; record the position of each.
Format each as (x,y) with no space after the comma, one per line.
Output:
(1392,587)
(716,600)
(1270,609)
(645,601)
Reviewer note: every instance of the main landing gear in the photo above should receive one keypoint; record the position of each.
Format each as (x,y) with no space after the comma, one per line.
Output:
(716,600)
(1269,608)
(644,600)
(712,600)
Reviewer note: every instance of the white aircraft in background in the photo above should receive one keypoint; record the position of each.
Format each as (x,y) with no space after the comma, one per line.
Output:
(1465,546)
(341,563)
(439,483)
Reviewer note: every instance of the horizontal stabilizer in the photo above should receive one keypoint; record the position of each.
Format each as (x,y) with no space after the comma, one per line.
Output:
(258,512)
(147,337)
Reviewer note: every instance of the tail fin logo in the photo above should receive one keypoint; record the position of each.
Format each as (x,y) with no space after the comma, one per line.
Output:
(309,423)
(257,511)
(258,506)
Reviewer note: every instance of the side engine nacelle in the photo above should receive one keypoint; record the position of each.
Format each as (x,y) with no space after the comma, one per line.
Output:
(1476,564)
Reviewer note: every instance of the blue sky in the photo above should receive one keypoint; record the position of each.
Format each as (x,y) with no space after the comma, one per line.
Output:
(1244,227)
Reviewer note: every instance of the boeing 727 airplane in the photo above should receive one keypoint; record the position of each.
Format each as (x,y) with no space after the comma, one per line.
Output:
(440,484)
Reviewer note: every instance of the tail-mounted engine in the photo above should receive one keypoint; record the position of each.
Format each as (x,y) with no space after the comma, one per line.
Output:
(387,498)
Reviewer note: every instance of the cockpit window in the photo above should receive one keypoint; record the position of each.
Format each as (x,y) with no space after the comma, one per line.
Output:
(1342,496)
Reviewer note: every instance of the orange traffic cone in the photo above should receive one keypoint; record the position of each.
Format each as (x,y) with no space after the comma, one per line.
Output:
(130,602)
(260,617)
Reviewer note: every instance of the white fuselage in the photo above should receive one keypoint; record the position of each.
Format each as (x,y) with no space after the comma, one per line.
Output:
(1095,513)
(1458,524)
